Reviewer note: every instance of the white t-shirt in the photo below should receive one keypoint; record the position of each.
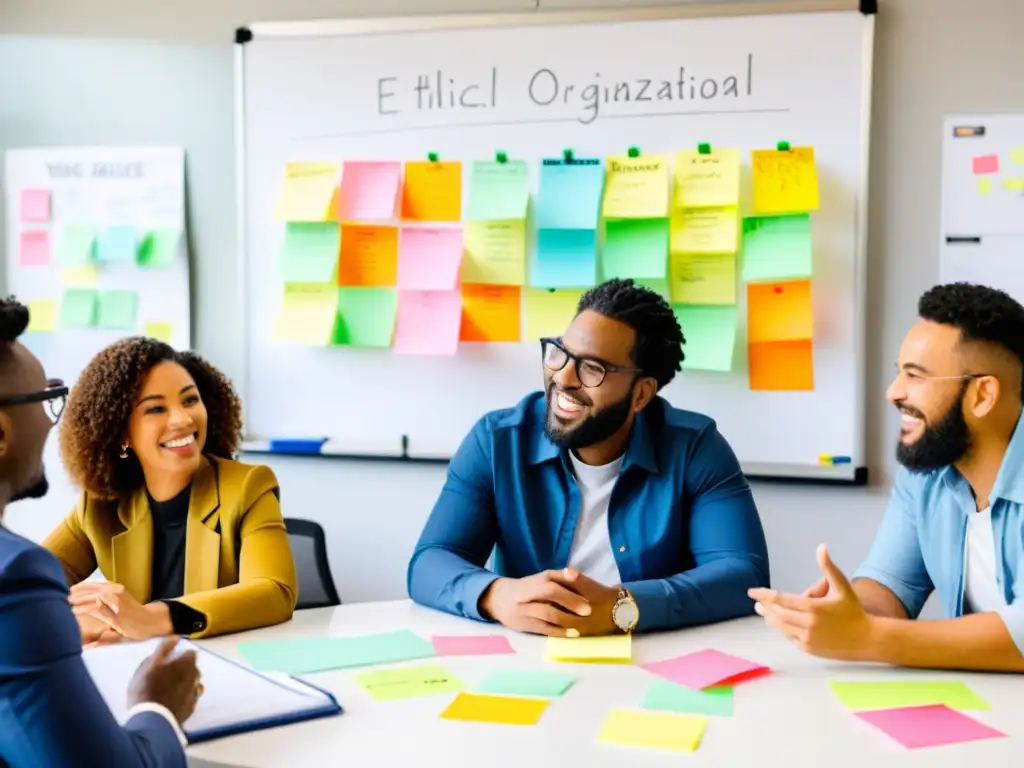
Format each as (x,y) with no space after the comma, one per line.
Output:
(982,592)
(591,552)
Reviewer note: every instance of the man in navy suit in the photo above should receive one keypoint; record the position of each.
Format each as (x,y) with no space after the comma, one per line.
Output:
(51,714)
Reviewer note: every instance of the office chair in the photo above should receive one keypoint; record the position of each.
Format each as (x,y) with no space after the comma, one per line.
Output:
(309,549)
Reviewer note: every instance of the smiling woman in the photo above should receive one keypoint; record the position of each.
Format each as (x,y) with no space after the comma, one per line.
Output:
(190,541)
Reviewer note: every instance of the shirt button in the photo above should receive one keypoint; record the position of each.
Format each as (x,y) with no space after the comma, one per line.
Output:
(622,548)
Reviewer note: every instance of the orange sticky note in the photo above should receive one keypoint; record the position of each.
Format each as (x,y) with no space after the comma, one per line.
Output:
(779,311)
(432,191)
(781,365)
(369,256)
(510,710)
(490,312)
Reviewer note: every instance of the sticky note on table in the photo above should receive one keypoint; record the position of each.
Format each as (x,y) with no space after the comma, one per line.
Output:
(490,313)
(549,311)
(602,649)
(34,248)
(429,258)
(707,669)
(309,252)
(78,308)
(658,730)
(319,654)
(985,164)
(309,192)
(777,248)
(666,696)
(369,191)
(928,726)
(494,252)
(781,366)
(366,317)
(408,682)
(785,181)
(308,314)
(159,247)
(636,187)
(710,336)
(779,311)
(707,180)
(564,258)
(526,682)
(471,645)
(702,278)
(705,230)
(498,191)
(635,248)
(906,693)
(369,255)
(432,191)
(483,708)
(75,245)
(569,195)
(118,244)
(162,331)
(117,310)
(42,316)
(428,322)
(34,205)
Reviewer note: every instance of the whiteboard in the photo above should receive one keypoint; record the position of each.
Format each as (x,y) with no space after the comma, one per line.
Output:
(311,91)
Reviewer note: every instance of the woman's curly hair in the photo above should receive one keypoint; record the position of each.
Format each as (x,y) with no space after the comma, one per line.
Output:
(100,405)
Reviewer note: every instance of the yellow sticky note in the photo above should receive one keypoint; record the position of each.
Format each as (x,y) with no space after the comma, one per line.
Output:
(432,191)
(704,230)
(308,314)
(785,181)
(1017,155)
(636,187)
(702,278)
(1014,185)
(494,252)
(159,330)
(481,708)
(707,180)
(610,649)
(985,185)
(549,311)
(660,730)
(42,316)
(309,192)
(78,277)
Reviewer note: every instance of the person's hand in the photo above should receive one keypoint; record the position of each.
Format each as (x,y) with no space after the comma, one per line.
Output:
(171,681)
(601,599)
(828,620)
(114,606)
(539,604)
(96,633)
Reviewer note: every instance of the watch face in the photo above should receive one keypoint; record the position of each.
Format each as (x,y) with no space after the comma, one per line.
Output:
(624,615)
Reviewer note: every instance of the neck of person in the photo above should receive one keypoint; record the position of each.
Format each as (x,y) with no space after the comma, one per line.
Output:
(608,450)
(980,466)
(163,487)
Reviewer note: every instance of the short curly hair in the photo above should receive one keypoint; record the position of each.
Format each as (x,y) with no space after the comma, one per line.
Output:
(980,313)
(100,405)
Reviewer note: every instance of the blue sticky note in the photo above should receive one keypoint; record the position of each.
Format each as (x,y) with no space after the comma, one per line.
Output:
(564,258)
(117,244)
(570,194)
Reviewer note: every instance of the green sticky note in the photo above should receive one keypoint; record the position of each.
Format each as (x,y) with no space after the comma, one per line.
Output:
(118,309)
(75,245)
(407,682)
(666,696)
(710,333)
(907,693)
(636,248)
(777,248)
(498,191)
(309,252)
(319,654)
(526,682)
(78,309)
(159,247)
(366,317)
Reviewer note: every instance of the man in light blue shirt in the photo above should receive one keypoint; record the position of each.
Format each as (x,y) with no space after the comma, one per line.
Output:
(955,522)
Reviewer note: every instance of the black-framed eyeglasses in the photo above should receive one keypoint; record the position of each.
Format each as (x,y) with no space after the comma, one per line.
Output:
(589,371)
(54,397)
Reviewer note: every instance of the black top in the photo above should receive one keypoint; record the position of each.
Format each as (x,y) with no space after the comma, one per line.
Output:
(170,522)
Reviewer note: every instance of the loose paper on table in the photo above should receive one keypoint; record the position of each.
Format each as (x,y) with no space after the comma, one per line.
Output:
(906,693)
(667,696)
(471,645)
(485,708)
(928,726)
(706,669)
(409,682)
(660,730)
(610,649)
(318,654)
(526,682)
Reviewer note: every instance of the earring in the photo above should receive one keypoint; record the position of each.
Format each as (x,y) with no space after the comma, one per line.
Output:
(124,451)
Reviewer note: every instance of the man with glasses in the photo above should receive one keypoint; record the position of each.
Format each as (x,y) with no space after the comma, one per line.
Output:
(606,509)
(955,522)
(51,713)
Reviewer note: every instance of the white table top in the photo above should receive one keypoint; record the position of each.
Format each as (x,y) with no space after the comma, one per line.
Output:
(789,718)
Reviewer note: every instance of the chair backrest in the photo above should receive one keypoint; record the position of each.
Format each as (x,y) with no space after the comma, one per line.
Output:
(309,549)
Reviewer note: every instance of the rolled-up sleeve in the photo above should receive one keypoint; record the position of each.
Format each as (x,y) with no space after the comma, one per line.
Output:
(1013,618)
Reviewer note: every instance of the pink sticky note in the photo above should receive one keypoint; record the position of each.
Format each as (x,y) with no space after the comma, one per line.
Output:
(35,248)
(429,259)
(369,191)
(35,205)
(985,164)
(471,645)
(928,726)
(428,323)
(706,668)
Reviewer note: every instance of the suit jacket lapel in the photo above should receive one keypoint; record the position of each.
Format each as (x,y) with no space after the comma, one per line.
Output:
(133,548)
(202,539)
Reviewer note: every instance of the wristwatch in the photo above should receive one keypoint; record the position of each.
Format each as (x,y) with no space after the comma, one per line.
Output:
(625,614)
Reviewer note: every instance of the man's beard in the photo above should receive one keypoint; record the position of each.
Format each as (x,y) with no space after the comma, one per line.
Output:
(594,429)
(947,441)
(35,491)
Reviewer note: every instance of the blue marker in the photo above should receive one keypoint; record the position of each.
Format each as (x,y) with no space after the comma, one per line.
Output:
(310,446)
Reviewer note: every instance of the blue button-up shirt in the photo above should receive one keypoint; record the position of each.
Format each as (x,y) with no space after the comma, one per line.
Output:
(684,529)
(920,544)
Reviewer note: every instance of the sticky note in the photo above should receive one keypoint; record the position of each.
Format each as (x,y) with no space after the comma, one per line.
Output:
(706,669)
(309,252)
(777,248)
(636,248)
(906,693)
(490,313)
(928,726)
(117,244)
(784,181)
(658,730)
(702,278)
(34,248)
(78,308)
(636,187)
(984,164)
(75,245)
(604,649)
(366,317)
(471,645)
(319,654)
(564,258)
(569,195)
(42,316)
(117,310)
(308,314)
(369,191)
(369,255)
(159,247)
(408,682)
(160,330)
(985,185)
(429,258)
(34,205)
(549,311)
(705,230)
(710,334)
(309,192)
(1012,184)
(779,311)
(79,277)
(494,252)
(666,696)
(498,191)
(526,682)
(484,708)
(432,191)
(708,180)
(428,322)
(781,365)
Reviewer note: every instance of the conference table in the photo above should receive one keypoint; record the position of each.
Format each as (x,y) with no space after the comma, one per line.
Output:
(789,718)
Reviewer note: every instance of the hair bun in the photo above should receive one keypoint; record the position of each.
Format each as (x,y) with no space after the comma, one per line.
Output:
(13,320)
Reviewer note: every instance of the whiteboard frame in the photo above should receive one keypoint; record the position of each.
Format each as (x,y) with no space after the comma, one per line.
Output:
(853,473)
